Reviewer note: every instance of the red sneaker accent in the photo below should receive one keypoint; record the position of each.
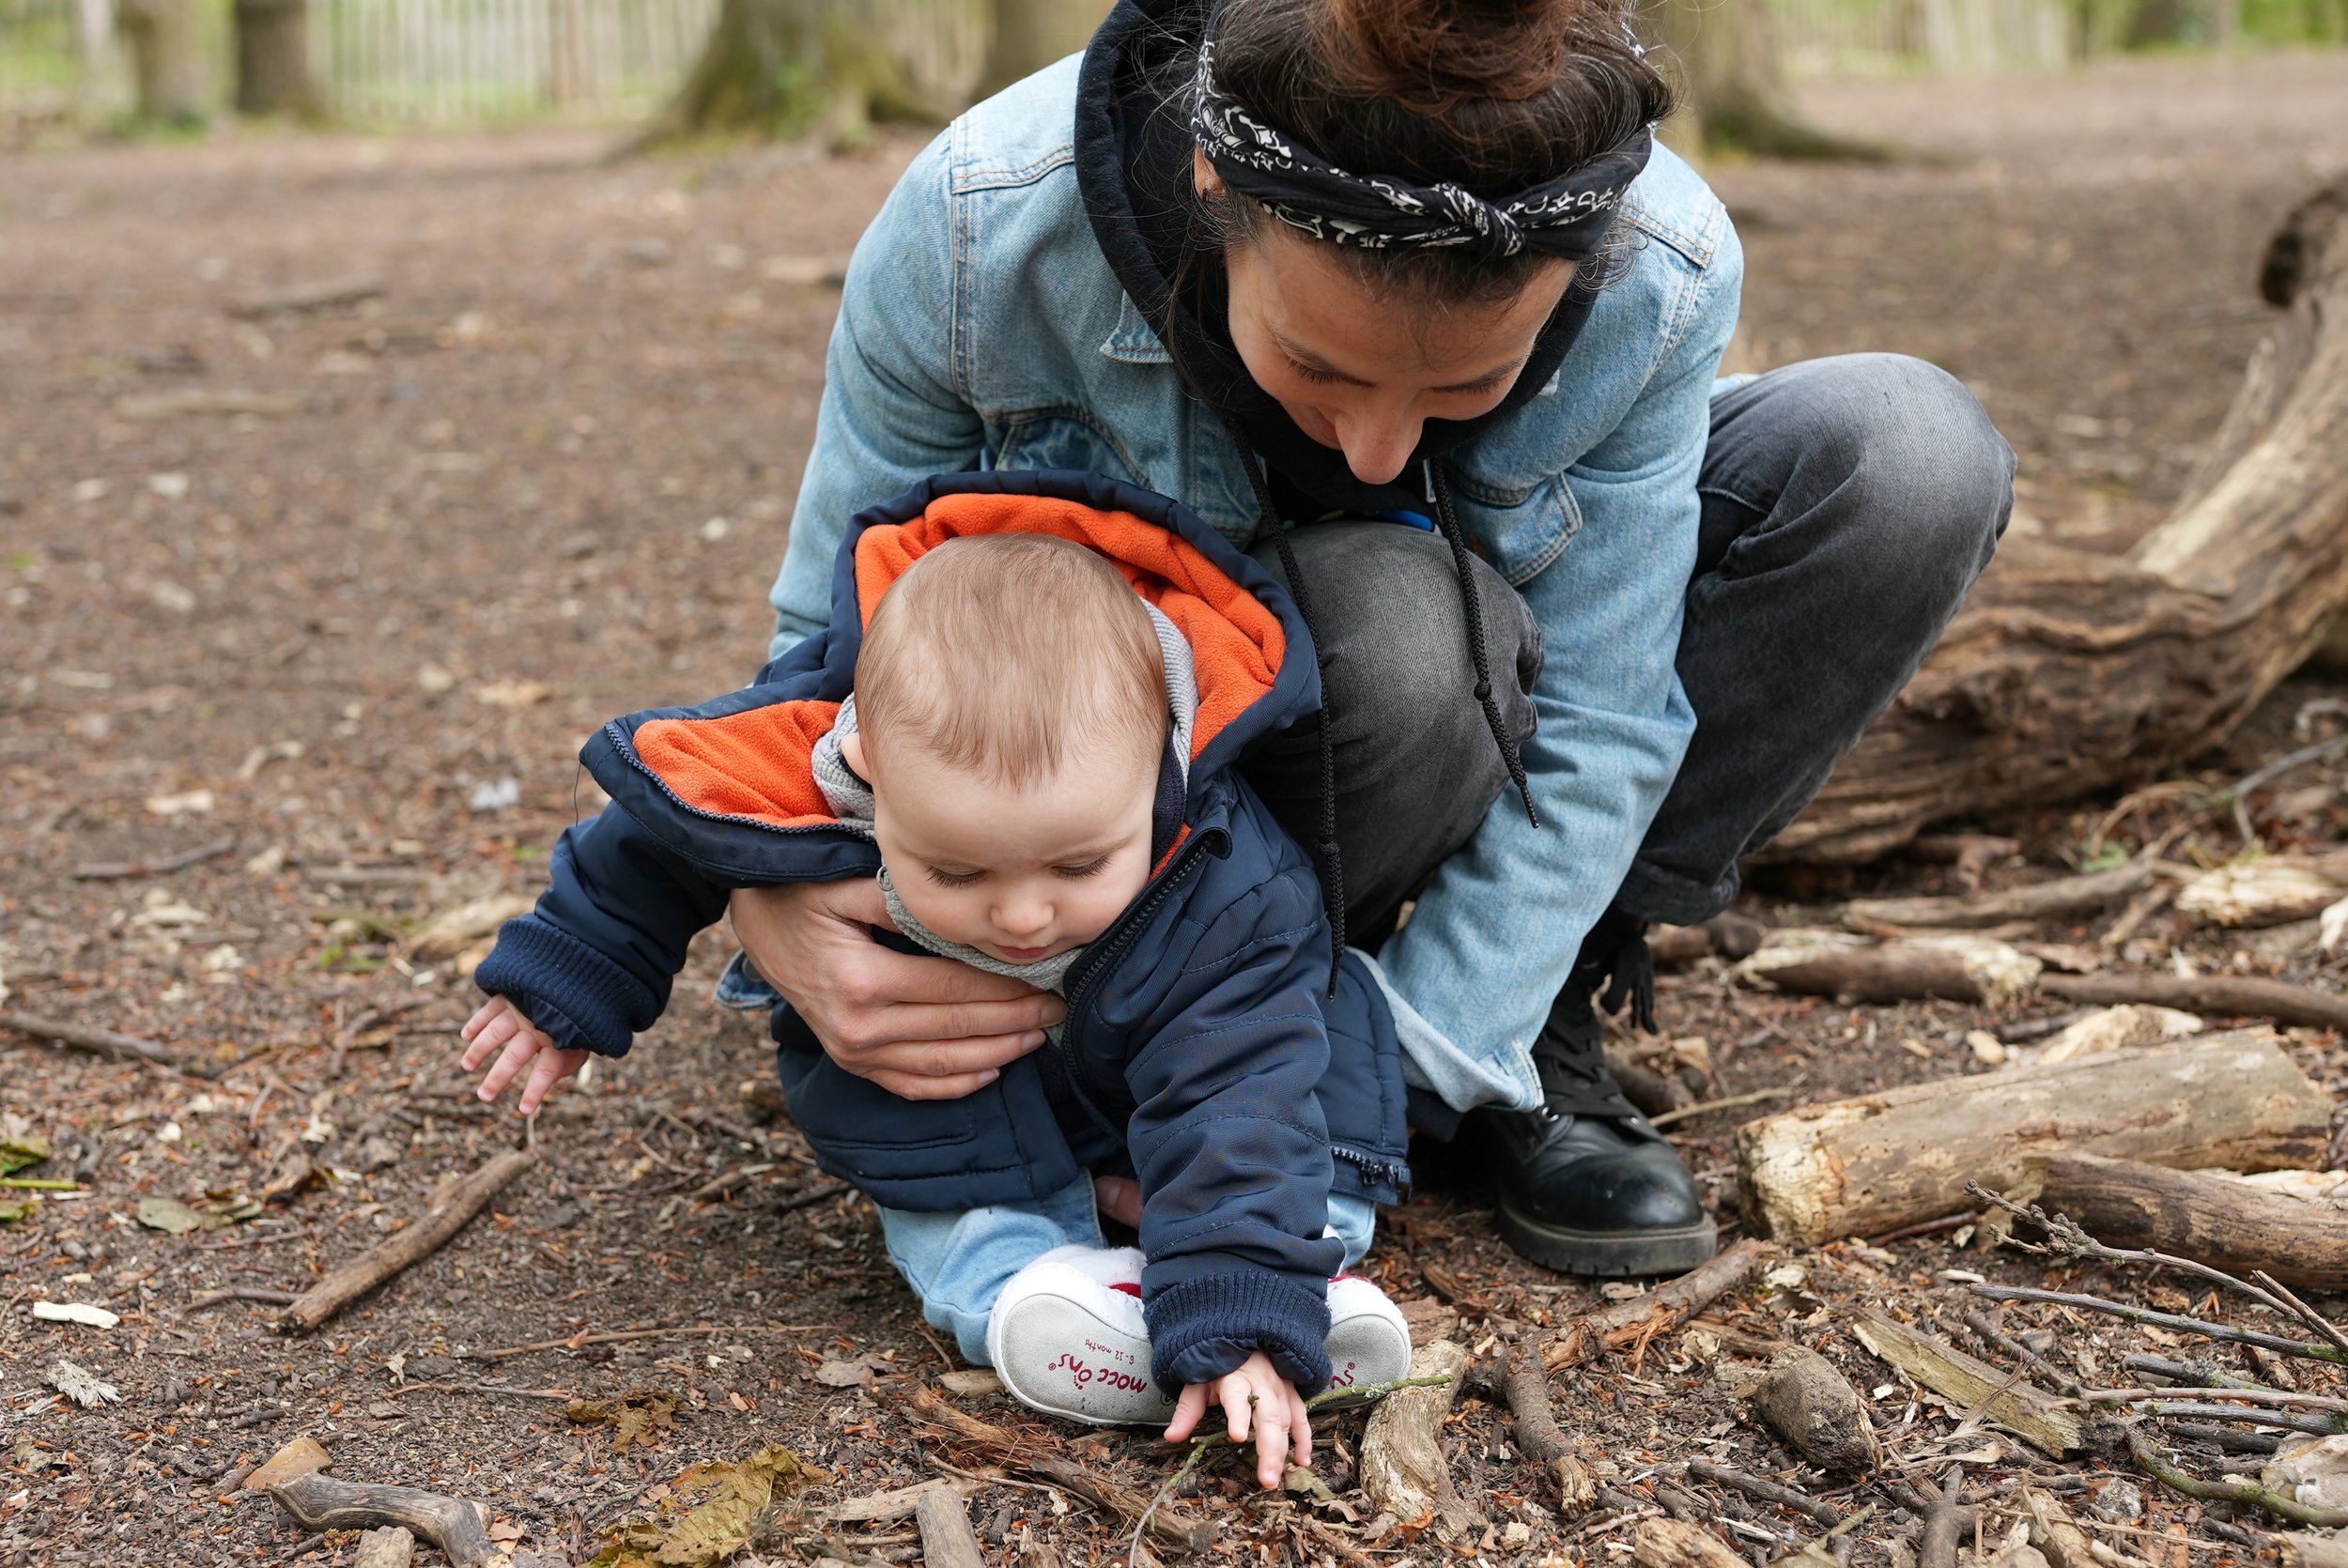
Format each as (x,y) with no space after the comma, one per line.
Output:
(1334,1279)
(1133,1290)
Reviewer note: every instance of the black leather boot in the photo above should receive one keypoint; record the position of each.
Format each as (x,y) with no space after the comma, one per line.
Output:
(1586,1185)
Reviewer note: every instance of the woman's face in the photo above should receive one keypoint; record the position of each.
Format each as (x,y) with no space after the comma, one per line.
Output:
(1363,371)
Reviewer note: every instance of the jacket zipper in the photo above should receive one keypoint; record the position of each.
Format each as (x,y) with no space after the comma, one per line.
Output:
(1393,1173)
(1096,962)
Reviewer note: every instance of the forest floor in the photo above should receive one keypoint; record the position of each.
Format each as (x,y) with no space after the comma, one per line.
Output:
(336,594)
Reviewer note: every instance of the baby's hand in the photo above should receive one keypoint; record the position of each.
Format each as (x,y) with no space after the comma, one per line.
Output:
(500,1023)
(1257,1399)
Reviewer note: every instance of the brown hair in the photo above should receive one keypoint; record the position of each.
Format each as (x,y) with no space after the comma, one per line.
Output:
(1492,94)
(1009,653)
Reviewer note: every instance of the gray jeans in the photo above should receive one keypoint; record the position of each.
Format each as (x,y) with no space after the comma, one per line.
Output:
(1848,504)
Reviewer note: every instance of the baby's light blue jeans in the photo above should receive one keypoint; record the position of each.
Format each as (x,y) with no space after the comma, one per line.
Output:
(958,1262)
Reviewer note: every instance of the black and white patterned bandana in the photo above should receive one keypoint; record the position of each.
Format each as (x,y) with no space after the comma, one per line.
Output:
(1565,217)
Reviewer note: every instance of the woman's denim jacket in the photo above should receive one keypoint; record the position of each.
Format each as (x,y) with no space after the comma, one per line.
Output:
(979,317)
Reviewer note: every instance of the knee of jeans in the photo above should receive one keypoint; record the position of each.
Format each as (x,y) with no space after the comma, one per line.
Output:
(1933,479)
(1388,606)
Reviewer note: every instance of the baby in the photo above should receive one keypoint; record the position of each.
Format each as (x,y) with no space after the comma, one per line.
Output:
(1024,721)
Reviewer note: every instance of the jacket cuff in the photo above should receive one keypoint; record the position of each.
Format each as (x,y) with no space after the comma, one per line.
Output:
(579,998)
(1204,1326)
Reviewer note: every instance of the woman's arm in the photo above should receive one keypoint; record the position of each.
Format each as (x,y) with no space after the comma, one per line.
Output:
(1492,938)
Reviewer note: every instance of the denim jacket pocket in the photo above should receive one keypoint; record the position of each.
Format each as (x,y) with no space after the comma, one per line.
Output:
(1522,529)
(1061,438)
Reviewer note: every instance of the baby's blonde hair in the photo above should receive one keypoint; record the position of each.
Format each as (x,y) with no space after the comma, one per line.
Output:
(1006,654)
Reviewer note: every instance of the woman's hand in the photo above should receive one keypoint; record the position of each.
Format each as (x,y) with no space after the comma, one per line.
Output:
(925,1028)
(1255,1401)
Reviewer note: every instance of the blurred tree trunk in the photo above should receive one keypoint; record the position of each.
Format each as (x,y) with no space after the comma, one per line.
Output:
(273,58)
(1736,97)
(166,58)
(2156,22)
(790,68)
(1023,44)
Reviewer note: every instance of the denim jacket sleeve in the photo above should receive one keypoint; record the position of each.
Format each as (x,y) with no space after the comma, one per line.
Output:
(1230,1146)
(1492,938)
(895,408)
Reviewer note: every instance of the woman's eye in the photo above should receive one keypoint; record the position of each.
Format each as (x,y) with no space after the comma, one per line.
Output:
(1090,868)
(952,879)
(1313,373)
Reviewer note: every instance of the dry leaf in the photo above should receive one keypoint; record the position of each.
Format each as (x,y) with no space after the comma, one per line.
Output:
(17,1153)
(709,1514)
(169,1214)
(79,1387)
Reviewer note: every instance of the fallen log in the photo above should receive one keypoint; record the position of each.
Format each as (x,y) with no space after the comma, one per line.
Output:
(454,1204)
(1636,1323)
(2270,890)
(2229,1224)
(2031,1413)
(2041,900)
(2068,671)
(455,1525)
(1972,969)
(1402,1468)
(1873,1163)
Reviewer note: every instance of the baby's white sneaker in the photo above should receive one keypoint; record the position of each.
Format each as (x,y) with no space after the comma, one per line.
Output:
(1369,1342)
(1067,1337)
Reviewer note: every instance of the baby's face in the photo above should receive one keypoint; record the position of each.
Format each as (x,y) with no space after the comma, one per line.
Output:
(1018,874)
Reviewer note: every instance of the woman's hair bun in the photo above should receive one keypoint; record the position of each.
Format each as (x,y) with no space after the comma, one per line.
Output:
(1427,55)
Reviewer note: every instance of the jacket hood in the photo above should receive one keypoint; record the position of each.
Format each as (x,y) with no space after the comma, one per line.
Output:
(1133,165)
(720,781)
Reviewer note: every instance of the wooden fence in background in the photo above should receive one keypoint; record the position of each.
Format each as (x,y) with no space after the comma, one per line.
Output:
(469,62)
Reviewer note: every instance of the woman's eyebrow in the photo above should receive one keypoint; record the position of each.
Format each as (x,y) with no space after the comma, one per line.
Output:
(1484,382)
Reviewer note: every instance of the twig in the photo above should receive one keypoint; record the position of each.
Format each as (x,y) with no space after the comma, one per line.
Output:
(728,1182)
(1636,1322)
(1979,1322)
(615,1336)
(2273,770)
(2300,1310)
(808,1200)
(115,870)
(376,1017)
(563,1395)
(2314,1424)
(2279,1397)
(2312,1350)
(1926,1227)
(97,1042)
(1768,1491)
(2231,1491)
(2227,1437)
(2190,1376)
(240,1293)
(458,1203)
(259,1239)
(1730,1102)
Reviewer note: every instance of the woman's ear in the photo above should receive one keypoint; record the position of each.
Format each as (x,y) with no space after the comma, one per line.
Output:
(1203,177)
(852,753)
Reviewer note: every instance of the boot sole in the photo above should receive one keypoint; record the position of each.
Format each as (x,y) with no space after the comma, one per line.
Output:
(1607,1254)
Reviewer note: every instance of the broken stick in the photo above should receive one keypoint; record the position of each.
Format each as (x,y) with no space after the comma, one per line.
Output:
(456,1203)
(1402,1468)
(2031,1414)
(1876,1162)
(2230,1225)
(947,1539)
(1639,1320)
(2043,900)
(455,1525)
(97,1042)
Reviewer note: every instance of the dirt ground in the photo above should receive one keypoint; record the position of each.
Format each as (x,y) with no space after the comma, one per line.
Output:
(360,627)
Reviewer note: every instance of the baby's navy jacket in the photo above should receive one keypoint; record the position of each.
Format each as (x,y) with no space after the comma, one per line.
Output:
(1201,1051)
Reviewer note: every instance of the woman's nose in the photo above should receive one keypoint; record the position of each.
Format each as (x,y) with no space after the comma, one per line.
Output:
(1378,447)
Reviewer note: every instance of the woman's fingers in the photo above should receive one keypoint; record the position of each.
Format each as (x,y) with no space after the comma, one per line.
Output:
(1119,1198)
(516,1056)
(922,1085)
(1300,1428)
(1188,1408)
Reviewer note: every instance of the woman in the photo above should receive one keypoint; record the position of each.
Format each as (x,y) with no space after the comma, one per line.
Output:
(1403,295)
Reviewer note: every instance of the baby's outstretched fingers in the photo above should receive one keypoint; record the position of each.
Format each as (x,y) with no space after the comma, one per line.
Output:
(494,1030)
(482,1015)
(550,1068)
(527,1043)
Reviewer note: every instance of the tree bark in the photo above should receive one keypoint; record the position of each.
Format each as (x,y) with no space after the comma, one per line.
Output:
(1855,1167)
(1023,44)
(165,59)
(2070,672)
(2230,1224)
(790,68)
(1734,88)
(273,58)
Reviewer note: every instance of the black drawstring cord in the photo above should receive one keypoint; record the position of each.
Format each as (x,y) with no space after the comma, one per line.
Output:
(1332,869)
(1439,491)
